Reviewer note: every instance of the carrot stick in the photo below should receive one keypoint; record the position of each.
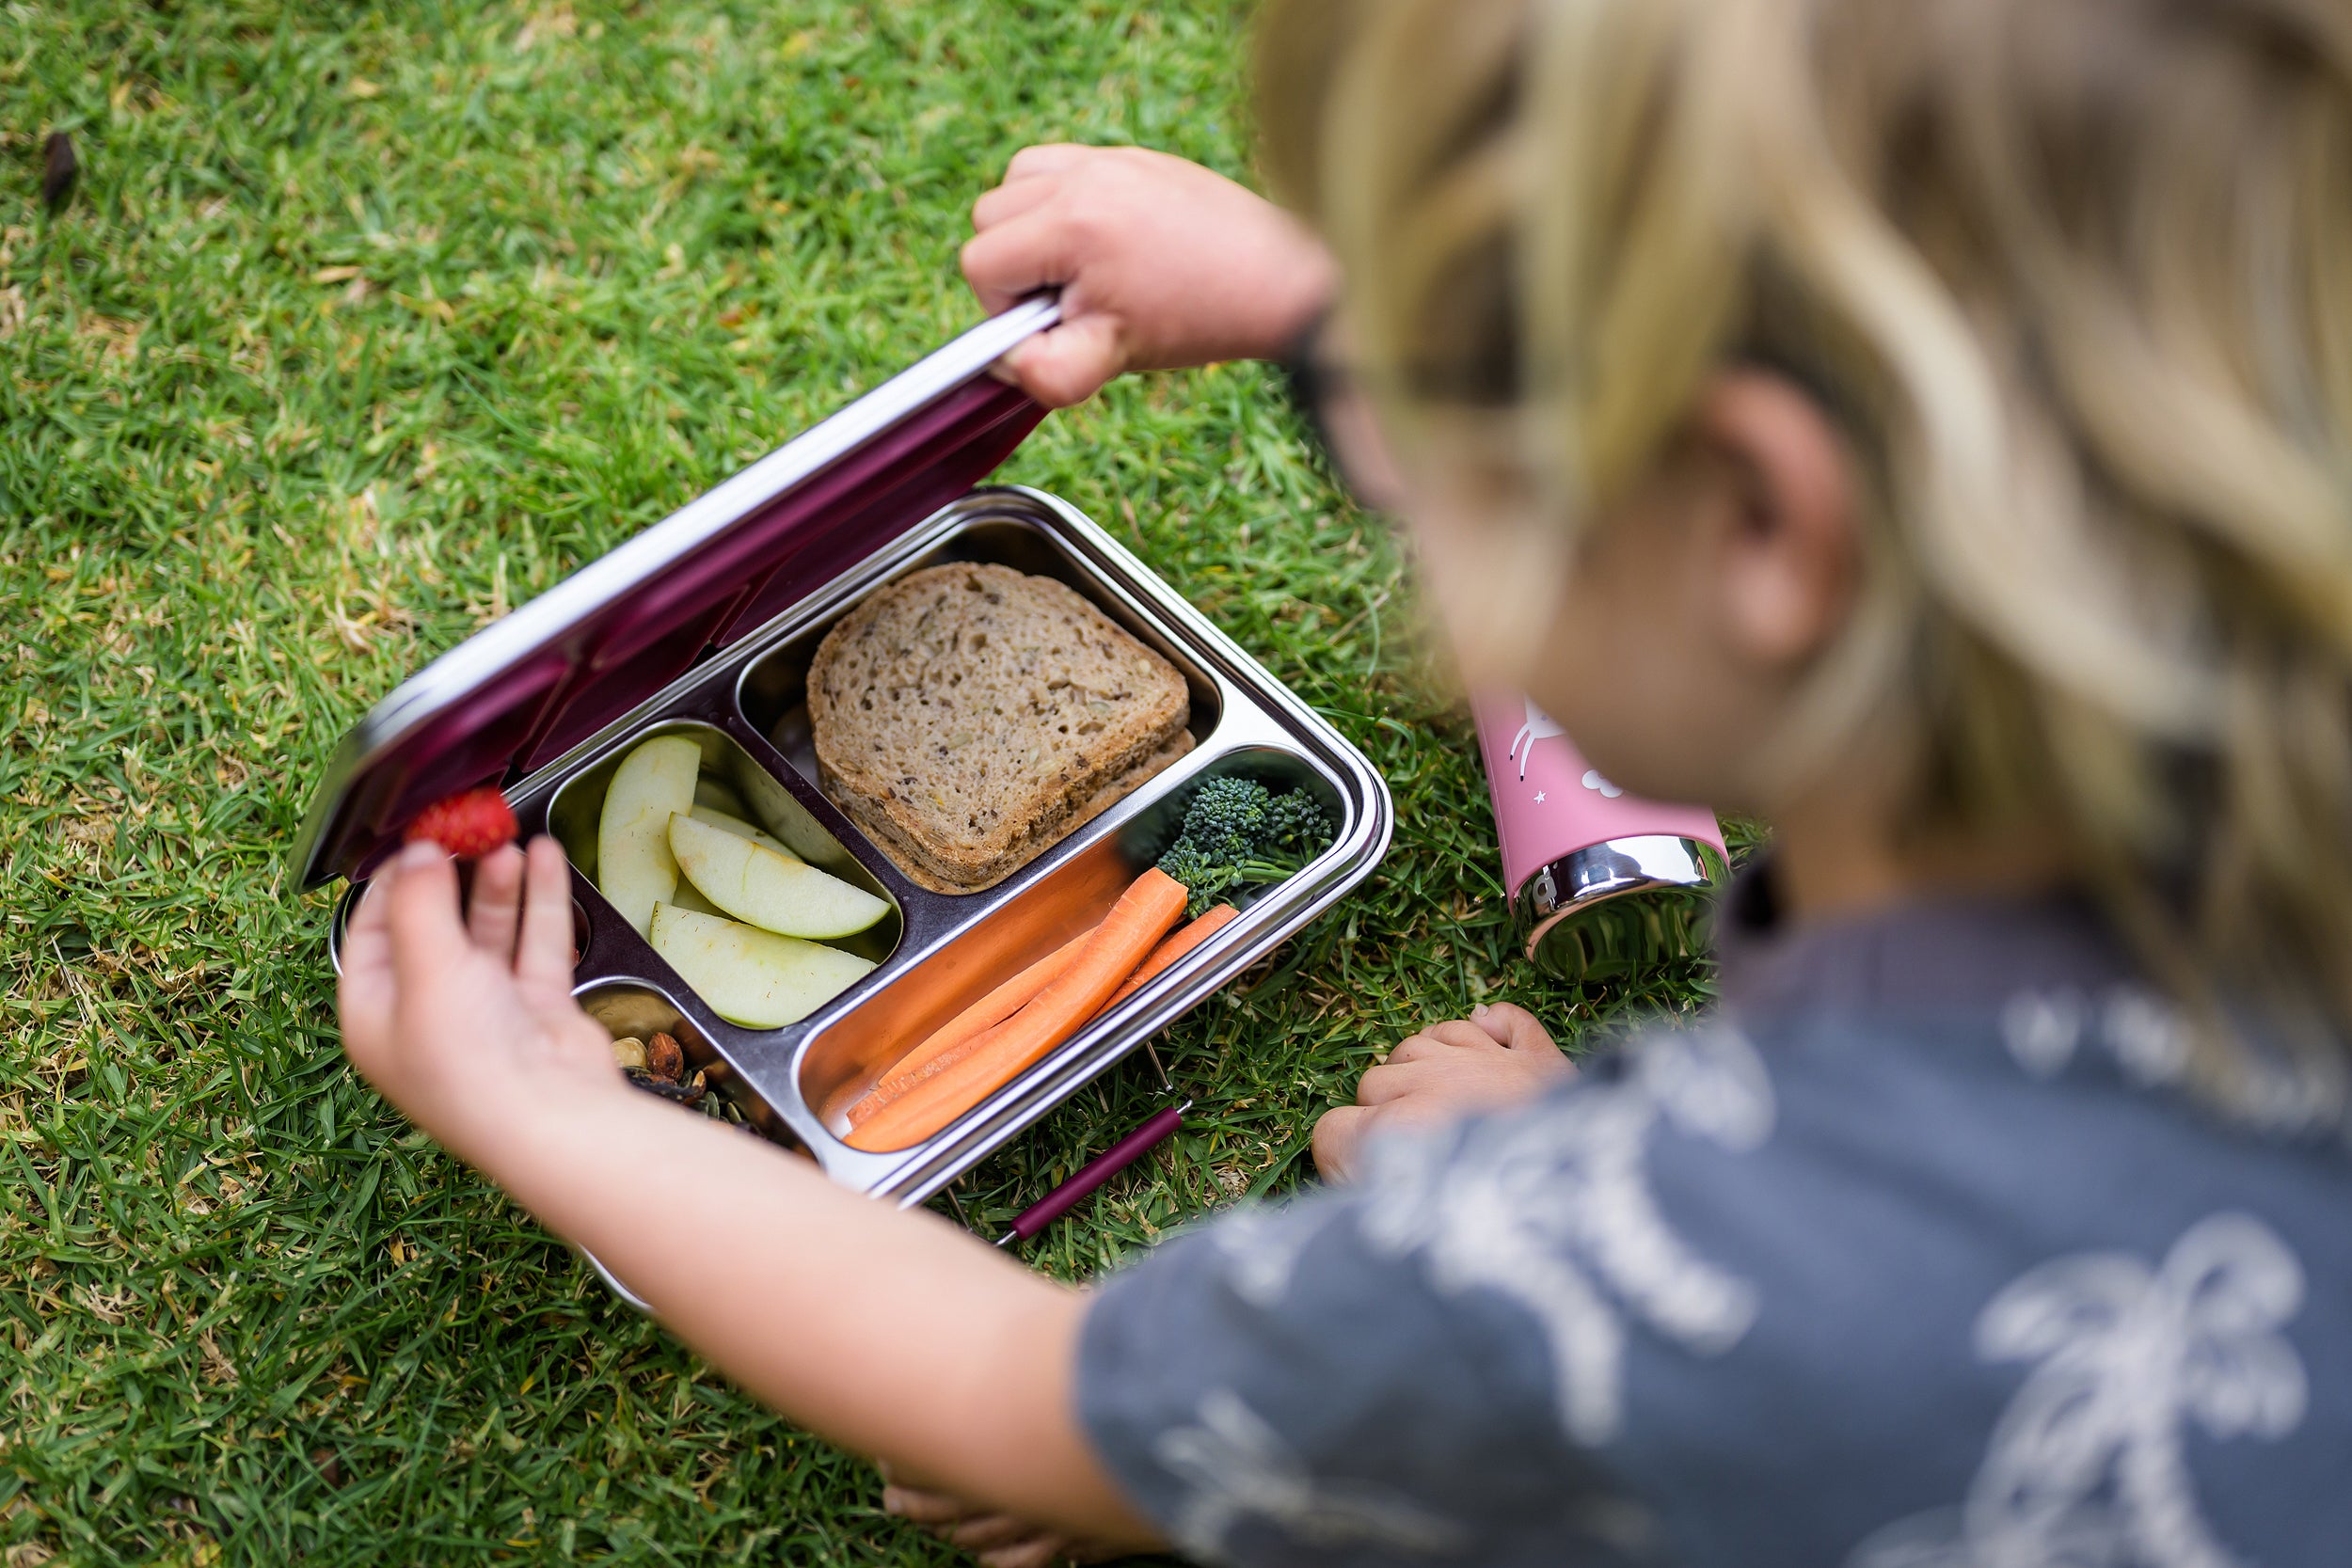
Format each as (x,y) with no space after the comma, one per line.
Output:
(938,1048)
(1211,921)
(1151,904)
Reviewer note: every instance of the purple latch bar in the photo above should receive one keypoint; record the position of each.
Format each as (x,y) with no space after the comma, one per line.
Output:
(1125,1152)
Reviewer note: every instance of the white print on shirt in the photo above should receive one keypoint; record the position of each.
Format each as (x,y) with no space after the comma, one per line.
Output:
(2149,1038)
(1234,1467)
(2086,1467)
(1261,1251)
(1554,1212)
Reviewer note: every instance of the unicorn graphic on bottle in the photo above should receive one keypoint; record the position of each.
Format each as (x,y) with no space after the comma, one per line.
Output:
(1539,726)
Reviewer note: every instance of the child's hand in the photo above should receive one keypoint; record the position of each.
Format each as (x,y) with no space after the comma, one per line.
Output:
(1498,1057)
(996,1538)
(461,1021)
(1160,263)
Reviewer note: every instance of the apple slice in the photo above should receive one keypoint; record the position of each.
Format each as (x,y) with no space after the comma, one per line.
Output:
(719,794)
(749,976)
(741,829)
(760,886)
(634,867)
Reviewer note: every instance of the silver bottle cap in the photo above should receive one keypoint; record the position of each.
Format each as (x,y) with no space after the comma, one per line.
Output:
(1620,906)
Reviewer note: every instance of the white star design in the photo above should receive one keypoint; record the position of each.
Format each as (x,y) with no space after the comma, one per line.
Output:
(1539,797)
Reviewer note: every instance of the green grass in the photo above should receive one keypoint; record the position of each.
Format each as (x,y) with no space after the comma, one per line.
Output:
(366,324)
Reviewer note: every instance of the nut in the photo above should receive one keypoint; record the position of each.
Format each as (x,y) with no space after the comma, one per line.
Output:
(629,1052)
(677,1094)
(664,1060)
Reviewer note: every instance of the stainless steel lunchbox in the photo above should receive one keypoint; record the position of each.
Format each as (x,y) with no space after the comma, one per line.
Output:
(705,625)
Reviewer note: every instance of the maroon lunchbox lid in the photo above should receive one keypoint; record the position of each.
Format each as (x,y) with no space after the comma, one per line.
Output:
(527,688)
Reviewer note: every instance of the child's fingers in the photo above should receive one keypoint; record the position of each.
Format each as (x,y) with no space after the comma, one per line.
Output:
(921,1508)
(543,954)
(1439,1041)
(497,901)
(1514,1026)
(1018,257)
(428,939)
(1046,158)
(998,1540)
(364,994)
(1393,1080)
(1070,363)
(986,1532)
(1041,1551)
(1338,1137)
(1009,200)
(1416,1048)
(1035,1551)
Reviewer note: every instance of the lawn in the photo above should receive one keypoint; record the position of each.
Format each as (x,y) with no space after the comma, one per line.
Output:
(363,326)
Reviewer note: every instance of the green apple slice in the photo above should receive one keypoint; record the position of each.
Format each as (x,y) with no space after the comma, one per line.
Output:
(719,794)
(634,867)
(764,888)
(741,829)
(749,976)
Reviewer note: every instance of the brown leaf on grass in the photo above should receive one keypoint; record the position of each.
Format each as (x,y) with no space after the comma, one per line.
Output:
(118,339)
(554,21)
(60,168)
(218,1369)
(360,86)
(109,1309)
(379,616)
(440,310)
(334,275)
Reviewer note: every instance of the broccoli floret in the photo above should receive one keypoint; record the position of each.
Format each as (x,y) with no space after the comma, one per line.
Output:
(1237,833)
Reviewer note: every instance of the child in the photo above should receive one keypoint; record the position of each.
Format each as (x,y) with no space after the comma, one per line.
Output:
(1927,424)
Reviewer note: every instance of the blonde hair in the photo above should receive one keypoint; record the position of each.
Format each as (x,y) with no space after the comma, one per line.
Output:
(2075,276)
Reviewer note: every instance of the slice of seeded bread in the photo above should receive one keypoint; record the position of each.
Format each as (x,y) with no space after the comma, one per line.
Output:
(968,718)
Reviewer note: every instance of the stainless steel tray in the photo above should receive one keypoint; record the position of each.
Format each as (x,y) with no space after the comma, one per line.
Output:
(940,951)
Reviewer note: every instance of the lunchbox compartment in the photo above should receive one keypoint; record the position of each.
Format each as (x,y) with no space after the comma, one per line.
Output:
(631,1007)
(772,695)
(850,1055)
(628,1008)
(578,803)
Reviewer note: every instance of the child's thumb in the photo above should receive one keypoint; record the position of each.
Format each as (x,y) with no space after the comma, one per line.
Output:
(1070,362)
(1511,1026)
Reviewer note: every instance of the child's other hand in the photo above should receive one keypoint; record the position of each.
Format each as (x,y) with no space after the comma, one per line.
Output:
(463,1020)
(1160,263)
(998,1540)
(1498,1057)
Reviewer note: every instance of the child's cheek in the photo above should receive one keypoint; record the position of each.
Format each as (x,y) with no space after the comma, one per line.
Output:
(1495,591)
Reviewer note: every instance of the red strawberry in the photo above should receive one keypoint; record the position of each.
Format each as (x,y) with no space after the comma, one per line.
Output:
(469,826)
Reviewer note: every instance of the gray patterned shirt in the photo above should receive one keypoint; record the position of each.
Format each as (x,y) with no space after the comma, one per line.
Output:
(1917,1254)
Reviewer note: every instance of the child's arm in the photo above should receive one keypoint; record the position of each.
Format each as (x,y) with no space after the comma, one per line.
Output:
(1160,263)
(885,1330)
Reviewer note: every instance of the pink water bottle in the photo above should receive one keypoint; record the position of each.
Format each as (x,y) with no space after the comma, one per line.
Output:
(1602,884)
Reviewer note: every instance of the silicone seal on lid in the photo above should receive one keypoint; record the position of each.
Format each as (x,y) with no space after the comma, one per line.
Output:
(527,688)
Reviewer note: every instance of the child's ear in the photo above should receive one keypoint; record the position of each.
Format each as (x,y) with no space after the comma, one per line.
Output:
(1791,544)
